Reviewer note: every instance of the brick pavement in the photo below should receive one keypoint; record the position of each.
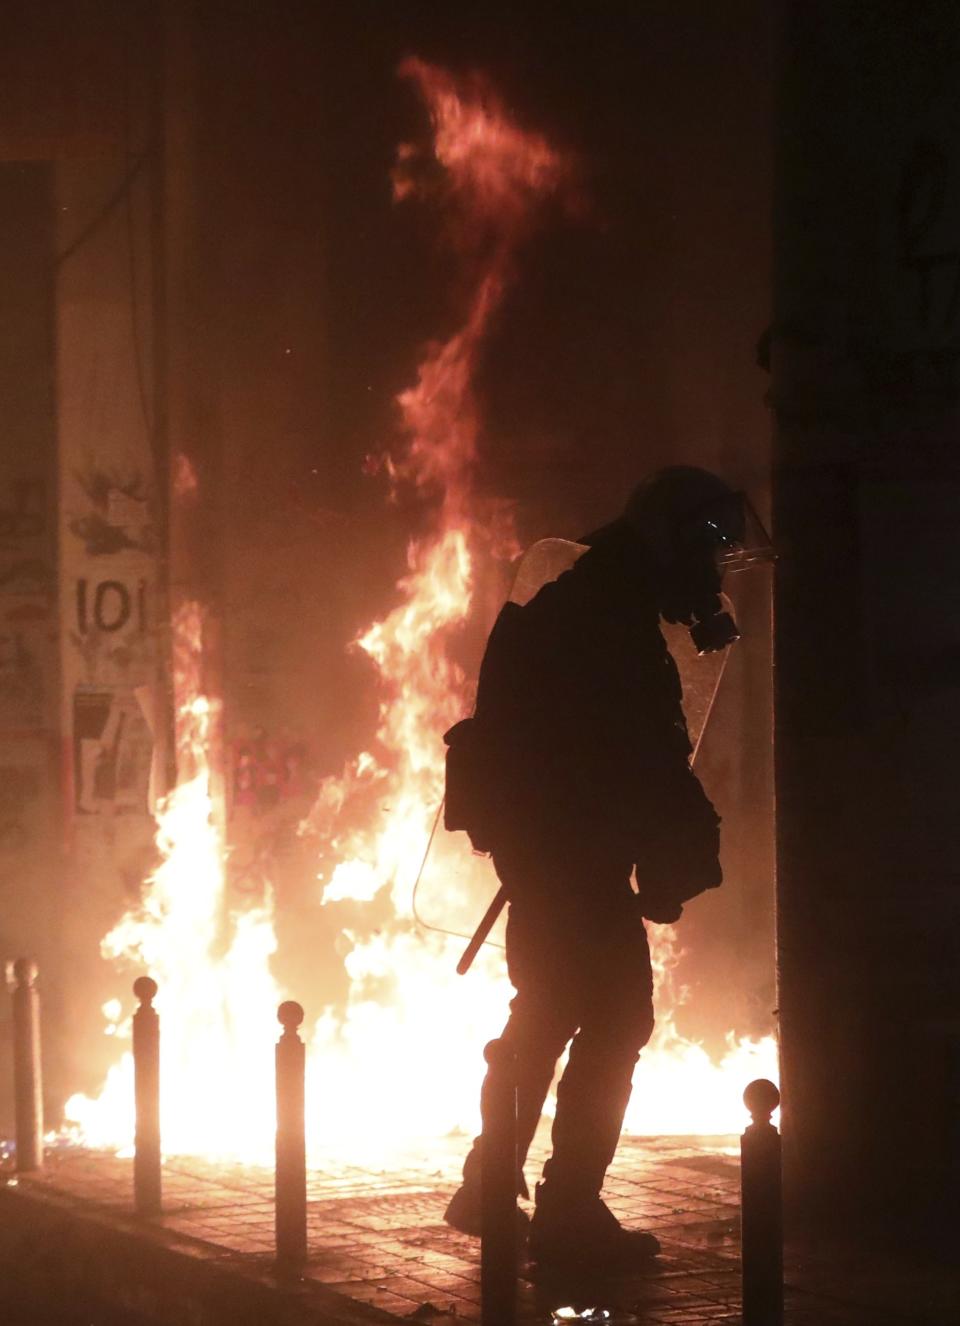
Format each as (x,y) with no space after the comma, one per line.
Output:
(378,1238)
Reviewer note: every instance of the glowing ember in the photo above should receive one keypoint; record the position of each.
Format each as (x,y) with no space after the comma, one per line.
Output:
(399,1065)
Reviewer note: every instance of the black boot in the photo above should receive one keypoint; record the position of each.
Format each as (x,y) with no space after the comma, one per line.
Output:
(463,1211)
(581,1230)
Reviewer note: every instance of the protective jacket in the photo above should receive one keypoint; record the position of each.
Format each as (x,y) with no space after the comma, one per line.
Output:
(578,735)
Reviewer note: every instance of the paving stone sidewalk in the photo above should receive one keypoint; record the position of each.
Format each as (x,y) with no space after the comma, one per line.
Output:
(378,1238)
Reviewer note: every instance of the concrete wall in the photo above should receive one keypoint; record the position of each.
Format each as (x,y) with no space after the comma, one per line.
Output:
(79,549)
(112,632)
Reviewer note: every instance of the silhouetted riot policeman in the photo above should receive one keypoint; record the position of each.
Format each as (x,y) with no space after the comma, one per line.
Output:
(574,772)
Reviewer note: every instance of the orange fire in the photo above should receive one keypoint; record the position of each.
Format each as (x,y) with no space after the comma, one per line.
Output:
(217,998)
(398,1066)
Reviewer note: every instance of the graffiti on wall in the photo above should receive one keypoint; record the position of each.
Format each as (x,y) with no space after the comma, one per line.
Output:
(24,570)
(26,588)
(267,771)
(20,789)
(110,628)
(110,605)
(119,517)
(22,682)
(106,610)
(107,607)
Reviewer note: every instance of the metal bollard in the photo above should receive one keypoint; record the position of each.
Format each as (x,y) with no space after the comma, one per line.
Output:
(291,1172)
(146,1088)
(761,1209)
(27,1079)
(498,1188)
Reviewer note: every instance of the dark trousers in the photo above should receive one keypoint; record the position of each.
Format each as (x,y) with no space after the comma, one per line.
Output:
(578,958)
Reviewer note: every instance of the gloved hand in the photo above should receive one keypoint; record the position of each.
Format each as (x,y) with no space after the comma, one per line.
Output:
(678,853)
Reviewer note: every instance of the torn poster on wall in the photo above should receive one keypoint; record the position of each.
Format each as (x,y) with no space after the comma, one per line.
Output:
(113,752)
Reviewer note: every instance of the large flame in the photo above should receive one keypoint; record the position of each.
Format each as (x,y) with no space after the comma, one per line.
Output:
(399,1065)
(217,998)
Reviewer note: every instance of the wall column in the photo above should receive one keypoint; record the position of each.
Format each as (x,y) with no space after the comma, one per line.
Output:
(866,344)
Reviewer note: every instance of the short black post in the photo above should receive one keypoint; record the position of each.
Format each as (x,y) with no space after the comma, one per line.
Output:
(498,1188)
(27,1079)
(146,1088)
(291,1173)
(761,1209)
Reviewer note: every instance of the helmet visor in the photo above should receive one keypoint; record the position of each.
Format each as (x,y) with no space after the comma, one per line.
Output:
(753,548)
(731,528)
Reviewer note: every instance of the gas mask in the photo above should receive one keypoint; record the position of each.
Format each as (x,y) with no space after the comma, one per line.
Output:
(698,530)
(690,596)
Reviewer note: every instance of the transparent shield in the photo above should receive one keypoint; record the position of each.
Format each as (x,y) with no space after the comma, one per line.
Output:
(456,884)
(543,562)
(752,545)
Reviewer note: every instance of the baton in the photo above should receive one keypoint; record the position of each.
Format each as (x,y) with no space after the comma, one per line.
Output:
(482,930)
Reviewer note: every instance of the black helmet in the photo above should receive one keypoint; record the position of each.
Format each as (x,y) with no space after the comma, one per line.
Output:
(695,528)
(683,507)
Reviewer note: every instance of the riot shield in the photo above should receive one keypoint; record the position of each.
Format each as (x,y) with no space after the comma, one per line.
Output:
(541,563)
(456,884)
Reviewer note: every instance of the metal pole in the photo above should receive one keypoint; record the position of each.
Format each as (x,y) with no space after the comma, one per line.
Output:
(761,1208)
(28,1083)
(498,1188)
(291,1172)
(146,1086)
